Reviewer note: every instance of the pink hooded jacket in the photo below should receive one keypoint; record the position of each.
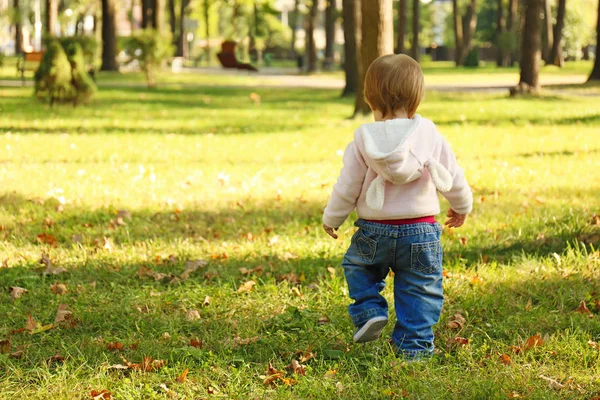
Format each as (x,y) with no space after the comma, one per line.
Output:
(393,170)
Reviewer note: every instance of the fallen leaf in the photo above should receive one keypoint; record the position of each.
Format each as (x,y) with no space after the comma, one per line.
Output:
(192,315)
(273,240)
(17,354)
(246,286)
(206,301)
(529,305)
(166,336)
(4,346)
(540,200)
(464,241)
(593,345)
(323,320)
(272,375)
(292,278)
(108,244)
(513,395)
(331,271)
(16,292)
(181,378)
(515,349)
(238,341)
(4,263)
(505,359)
(288,256)
(553,383)
(197,343)
(476,280)
(31,324)
(148,364)
(305,355)
(55,359)
(62,314)
(583,309)
(457,341)
(297,368)
(330,374)
(457,321)
(78,238)
(124,214)
(59,288)
(296,292)
(48,239)
(533,341)
(101,395)
(255,97)
(595,220)
(190,267)
(115,346)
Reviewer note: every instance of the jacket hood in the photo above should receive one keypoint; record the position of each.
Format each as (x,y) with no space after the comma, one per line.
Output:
(394,153)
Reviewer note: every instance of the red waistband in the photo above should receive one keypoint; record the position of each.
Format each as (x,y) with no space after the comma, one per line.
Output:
(427,220)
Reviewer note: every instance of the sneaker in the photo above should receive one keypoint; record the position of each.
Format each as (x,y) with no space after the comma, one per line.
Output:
(371,330)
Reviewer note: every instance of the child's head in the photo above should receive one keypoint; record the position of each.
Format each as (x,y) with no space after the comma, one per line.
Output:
(394,83)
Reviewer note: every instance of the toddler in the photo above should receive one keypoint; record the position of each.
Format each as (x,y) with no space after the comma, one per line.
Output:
(392,172)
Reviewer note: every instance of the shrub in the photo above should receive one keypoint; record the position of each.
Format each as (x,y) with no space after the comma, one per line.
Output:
(88,45)
(53,76)
(82,84)
(472,58)
(62,76)
(1,59)
(151,49)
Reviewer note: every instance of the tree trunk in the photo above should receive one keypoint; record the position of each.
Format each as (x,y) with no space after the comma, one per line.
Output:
(500,28)
(458,33)
(377,27)
(158,15)
(51,17)
(18,28)
(548,34)
(469,24)
(207,30)
(330,16)
(556,56)
(146,13)
(352,37)
(172,21)
(511,25)
(181,49)
(401,29)
(531,48)
(416,48)
(294,26)
(109,36)
(311,48)
(595,75)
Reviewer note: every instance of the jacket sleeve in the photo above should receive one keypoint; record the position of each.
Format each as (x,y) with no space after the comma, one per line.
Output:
(460,196)
(347,189)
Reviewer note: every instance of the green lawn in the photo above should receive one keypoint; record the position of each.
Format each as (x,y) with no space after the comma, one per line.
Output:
(142,181)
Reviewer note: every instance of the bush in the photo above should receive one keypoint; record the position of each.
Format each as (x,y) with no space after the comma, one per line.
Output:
(1,59)
(82,84)
(472,58)
(88,45)
(53,77)
(62,76)
(151,49)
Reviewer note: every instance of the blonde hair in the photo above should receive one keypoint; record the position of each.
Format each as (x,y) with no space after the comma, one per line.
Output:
(393,82)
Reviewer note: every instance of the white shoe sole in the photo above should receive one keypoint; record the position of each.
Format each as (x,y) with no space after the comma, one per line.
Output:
(371,330)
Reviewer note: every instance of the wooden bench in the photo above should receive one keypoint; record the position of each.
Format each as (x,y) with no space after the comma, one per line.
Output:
(26,61)
(228,59)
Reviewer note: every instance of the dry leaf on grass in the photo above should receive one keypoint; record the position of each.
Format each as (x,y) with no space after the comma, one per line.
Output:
(296,292)
(297,368)
(505,359)
(16,292)
(306,355)
(48,239)
(17,354)
(181,378)
(206,301)
(4,263)
(101,395)
(59,288)
(197,343)
(457,321)
(55,359)
(323,320)
(330,374)
(593,345)
(583,309)
(4,346)
(148,364)
(553,383)
(63,314)
(115,346)
(246,286)
(190,267)
(533,341)
(192,315)
(238,341)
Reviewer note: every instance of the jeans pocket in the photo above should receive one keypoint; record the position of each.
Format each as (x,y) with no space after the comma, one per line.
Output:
(366,248)
(426,257)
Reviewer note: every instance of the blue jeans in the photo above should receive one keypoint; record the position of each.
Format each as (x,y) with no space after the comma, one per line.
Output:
(414,253)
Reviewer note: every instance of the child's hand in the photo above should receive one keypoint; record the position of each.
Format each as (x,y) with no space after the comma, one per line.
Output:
(330,231)
(456,220)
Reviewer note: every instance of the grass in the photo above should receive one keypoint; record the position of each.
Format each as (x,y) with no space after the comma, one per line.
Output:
(207,173)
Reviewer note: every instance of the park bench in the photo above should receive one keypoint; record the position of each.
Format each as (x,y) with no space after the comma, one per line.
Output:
(228,59)
(31,60)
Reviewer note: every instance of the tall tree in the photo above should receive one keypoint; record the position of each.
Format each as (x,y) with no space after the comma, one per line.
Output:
(531,48)
(500,29)
(511,25)
(109,36)
(294,26)
(401,28)
(311,47)
(352,39)
(181,48)
(51,17)
(330,17)
(207,29)
(464,29)
(548,34)
(377,28)
(172,20)
(147,12)
(415,50)
(158,15)
(595,75)
(556,56)
(18,27)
